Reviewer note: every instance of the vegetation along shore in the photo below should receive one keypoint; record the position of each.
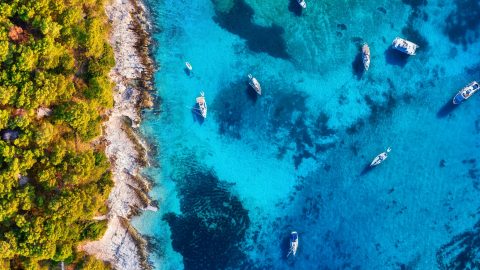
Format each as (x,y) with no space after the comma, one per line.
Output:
(74,76)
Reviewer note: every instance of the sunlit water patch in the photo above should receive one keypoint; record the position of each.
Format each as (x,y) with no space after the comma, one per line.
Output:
(232,187)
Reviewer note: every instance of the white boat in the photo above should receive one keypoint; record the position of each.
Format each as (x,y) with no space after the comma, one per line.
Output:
(302,3)
(189,66)
(202,105)
(254,84)
(404,46)
(466,92)
(380,158)
(366,56)
(293,243)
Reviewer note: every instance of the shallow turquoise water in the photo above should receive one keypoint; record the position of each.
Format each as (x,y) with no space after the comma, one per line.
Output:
(232,188)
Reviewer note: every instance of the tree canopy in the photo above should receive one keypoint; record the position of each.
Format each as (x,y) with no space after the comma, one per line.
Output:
(54,175)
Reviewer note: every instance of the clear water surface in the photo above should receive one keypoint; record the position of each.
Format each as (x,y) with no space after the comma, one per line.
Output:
(232,187)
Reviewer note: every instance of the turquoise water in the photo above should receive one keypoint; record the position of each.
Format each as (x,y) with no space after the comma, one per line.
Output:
(232,187)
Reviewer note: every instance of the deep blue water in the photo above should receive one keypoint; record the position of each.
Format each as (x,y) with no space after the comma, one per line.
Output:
(232,187)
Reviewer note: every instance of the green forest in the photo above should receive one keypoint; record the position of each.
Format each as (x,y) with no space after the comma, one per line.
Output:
(54,96)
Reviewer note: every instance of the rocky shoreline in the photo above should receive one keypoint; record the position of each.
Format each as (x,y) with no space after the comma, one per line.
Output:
(122,246)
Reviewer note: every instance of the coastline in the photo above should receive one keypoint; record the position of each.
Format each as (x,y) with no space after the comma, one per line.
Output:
(121,245)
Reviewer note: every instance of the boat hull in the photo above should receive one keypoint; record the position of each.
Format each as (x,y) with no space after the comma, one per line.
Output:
(366,56)
(257,89)
(253,82)
(457,99)
(404,46)
(293,243)
(302,3)
(380,158)
(466,92)
(204,111)
(202,105)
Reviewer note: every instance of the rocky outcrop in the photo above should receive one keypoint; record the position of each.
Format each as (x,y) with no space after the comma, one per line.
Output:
(121,245)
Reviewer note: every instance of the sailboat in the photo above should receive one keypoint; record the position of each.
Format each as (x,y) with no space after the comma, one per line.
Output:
(293,243)
(380,158)
(254,84)
(366,56)
(202,105)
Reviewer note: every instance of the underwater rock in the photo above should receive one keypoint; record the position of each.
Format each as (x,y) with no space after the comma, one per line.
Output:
(209,231)
(341,26)
(382,10)
(462,24)
(462,252)
(239,21)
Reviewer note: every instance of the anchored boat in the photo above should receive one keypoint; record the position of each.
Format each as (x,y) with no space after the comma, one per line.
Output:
(189,66)
(202,105)
(366,56)
(293,243)
(380,158)
(466,92)
(404,46)
(254,84)
(302,3)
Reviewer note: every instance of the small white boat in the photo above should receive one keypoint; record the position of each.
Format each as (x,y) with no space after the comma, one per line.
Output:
(202,105)
(404,46)
(293,243)
(302,3)
(466,92)
(254,84)
(189,66)
(366,56)
(380,158)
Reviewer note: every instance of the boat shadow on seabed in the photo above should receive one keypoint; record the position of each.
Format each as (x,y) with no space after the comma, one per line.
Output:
(285,249)
(251,94)
(187,71)
(197,116)
(357,66)
(446,109)
(366,169)
(396,58)
(295,8)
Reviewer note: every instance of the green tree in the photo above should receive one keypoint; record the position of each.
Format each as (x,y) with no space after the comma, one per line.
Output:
(4,116)
(100,89)
(3,50)
(80,117)
(94,42)
(53,180)
(7,93)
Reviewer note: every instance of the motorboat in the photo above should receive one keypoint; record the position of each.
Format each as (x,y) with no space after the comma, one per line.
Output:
(302,3)
(366,56)
(202,105)
(189,66)
(466,92)
(404,46)
(380,158)
(293,243)
(254,84)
